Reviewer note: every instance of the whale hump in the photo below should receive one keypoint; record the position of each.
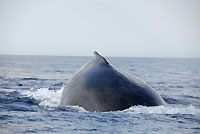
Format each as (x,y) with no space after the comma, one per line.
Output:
(100,58)
(98,86)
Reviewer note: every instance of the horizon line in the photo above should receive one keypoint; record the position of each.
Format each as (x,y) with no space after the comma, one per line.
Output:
(103,56)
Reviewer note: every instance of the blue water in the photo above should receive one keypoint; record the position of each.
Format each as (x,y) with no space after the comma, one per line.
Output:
(31,87)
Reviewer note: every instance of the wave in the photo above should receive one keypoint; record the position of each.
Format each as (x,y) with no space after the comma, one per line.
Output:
(7,90)
(30,78)
(51,99)
(46,97)
(170,109)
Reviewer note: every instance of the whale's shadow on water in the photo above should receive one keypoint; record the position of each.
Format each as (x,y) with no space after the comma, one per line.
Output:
(98,86)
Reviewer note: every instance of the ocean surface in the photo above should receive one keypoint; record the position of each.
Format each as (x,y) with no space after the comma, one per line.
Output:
(31,87)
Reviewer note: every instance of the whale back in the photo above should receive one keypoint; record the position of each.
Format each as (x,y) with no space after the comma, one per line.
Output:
(98,86)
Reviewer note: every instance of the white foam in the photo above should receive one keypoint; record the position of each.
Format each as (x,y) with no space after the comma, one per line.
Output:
(46,97)
(51,99)
(77,108)
(7,90)
(171,109)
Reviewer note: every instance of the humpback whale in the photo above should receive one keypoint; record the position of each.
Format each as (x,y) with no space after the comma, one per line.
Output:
(98,86)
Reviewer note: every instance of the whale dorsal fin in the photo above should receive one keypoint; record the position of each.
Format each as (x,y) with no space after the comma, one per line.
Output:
(100,58)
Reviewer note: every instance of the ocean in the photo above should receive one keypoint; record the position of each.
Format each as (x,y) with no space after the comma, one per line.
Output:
(31,87)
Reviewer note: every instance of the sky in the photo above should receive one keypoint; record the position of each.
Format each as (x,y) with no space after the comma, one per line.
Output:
(119,28)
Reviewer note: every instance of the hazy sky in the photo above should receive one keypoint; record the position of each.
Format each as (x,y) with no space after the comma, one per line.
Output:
(132,28)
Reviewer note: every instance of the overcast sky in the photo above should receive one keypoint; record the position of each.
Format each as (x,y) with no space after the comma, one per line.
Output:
(130,28)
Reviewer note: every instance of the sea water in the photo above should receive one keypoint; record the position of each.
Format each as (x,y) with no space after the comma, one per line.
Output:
(31,88)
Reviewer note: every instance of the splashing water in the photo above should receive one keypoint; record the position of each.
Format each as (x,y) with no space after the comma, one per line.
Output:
(27,106)
(46,97)
(51,98)
(170,109)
